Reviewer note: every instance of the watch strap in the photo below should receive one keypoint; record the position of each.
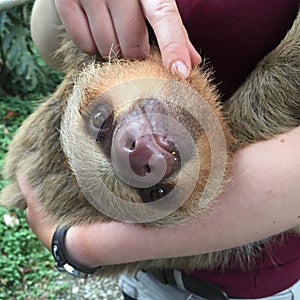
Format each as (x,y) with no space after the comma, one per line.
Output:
(62,259)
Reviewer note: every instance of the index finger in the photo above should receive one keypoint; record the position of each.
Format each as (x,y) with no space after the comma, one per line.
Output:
(164,17)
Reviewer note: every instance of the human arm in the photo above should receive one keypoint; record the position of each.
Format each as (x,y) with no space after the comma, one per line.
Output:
(102,26)
(261,200)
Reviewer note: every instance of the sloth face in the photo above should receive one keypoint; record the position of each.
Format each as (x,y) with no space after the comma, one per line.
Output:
(142,139)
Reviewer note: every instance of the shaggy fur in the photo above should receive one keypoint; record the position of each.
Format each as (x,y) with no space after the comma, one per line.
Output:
(267,103)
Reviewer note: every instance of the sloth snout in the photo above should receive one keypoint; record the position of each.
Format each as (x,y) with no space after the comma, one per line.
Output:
(148,153)
(143,156)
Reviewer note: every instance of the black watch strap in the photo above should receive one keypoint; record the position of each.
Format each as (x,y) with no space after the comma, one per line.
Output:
(63,261)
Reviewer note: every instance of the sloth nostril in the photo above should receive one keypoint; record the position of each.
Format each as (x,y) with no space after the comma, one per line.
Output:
(129,144)
(132,146)
(147,169)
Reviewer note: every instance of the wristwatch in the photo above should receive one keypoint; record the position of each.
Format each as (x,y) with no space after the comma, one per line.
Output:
(63,262)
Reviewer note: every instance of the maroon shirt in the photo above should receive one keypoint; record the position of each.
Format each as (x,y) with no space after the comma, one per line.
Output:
(276,270)
(234,35)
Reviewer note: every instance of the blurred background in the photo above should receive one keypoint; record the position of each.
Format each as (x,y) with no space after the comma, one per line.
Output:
(26,268)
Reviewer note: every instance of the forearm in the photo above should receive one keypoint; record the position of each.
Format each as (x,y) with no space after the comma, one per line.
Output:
(262,200)
(44,29)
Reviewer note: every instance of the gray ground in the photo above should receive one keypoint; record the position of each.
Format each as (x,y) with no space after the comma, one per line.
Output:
(91,289)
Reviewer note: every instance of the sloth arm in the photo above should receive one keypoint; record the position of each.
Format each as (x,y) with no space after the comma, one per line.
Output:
(262,200)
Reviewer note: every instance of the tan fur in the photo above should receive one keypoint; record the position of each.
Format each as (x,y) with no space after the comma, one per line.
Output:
(266,104)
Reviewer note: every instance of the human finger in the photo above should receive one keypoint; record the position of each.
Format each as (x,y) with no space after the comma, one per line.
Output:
(164,17)
(74,19)
(130,27)
(102,27)
(195,56)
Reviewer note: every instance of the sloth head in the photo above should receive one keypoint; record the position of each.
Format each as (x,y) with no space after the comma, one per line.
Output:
(139,141)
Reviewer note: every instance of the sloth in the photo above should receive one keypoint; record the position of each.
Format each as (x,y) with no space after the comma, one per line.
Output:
(125,139)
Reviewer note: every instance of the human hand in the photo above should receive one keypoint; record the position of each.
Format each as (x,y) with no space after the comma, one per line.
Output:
(78,241)
(110,25)
(40,223)
(82,243)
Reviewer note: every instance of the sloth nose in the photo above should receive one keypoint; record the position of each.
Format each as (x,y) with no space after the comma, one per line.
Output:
(143,156)
(148,153)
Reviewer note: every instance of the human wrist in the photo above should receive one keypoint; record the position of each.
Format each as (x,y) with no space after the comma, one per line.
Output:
(80,247)
(63,261)
(100,244)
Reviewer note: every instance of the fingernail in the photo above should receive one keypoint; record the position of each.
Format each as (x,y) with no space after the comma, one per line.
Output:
(181,68)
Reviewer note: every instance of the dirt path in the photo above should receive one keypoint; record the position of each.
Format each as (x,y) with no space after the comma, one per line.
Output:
(91,289)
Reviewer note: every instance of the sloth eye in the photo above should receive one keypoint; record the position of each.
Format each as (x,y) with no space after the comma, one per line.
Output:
(98,117)
(101,125)
(154,193)
(100,121)
(157,193)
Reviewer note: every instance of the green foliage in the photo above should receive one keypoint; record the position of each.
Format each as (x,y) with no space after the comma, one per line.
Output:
(26,267)
(22,71)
